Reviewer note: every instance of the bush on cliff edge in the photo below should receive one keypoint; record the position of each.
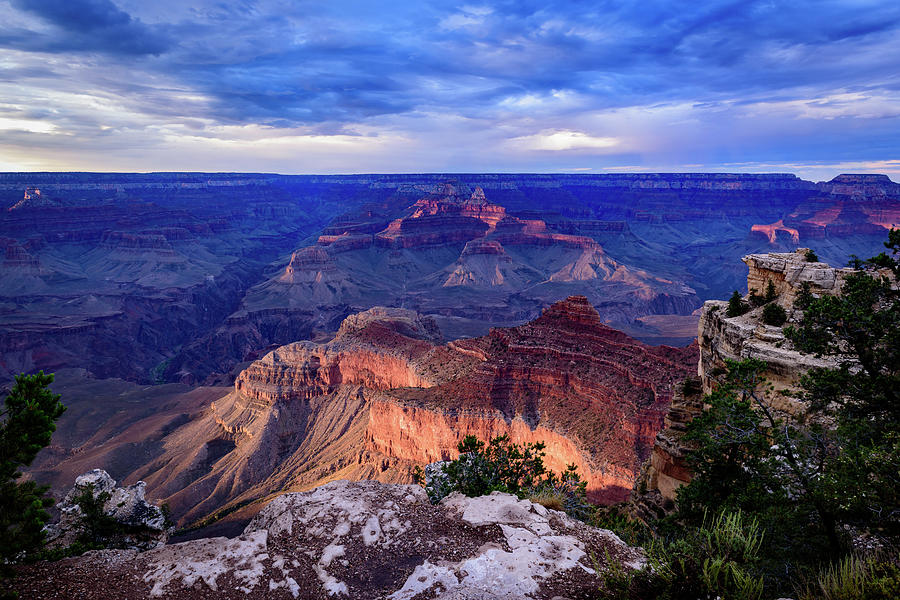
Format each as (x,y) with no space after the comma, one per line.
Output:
(502,466)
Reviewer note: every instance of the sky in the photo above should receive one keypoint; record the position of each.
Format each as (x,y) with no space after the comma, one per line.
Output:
(342,86)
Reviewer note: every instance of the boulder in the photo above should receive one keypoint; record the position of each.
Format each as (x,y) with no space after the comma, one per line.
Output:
(143,525)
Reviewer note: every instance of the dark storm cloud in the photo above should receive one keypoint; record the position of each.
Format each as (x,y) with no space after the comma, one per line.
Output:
(85,25)
(308,63)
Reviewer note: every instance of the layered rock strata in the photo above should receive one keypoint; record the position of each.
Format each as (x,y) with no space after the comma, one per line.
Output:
(384,396)
(456,255)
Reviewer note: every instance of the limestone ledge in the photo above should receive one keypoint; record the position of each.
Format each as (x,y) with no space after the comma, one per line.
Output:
(361,540)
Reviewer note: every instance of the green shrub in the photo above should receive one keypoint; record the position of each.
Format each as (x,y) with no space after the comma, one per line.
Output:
(502,466)
(736,305)
(811,256)
(630,531)
(720,559)
(773,314)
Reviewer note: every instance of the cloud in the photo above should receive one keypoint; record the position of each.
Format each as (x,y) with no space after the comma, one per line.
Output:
(85,25)
(496,85)
(563,140)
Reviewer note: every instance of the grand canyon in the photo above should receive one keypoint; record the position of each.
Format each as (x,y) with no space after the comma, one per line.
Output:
(228,339)
(449,300)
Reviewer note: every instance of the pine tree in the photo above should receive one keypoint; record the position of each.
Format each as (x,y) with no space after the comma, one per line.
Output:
(736,305)
(30,415)
(770,291)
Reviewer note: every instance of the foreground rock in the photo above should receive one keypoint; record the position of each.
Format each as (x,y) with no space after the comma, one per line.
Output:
(141,525)
(358,540)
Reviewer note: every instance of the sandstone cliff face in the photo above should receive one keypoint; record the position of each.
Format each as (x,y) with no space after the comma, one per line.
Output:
(359,540)
(378,349)
(384,396)
(422,435)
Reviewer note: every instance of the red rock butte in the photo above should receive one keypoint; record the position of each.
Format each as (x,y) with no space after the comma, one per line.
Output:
(384,396)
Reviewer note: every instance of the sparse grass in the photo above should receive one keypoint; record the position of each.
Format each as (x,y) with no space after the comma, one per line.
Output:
(855,578)
(549,498)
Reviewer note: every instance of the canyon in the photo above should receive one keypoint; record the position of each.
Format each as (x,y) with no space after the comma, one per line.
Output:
(168,277)
(227,337)
(277,453)
(384,395)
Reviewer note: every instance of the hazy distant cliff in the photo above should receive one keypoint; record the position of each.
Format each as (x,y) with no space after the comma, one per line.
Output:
(182,276)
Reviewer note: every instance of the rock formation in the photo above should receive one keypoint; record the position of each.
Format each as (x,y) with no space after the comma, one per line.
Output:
(455,254)
(359,540)
(141,525)
(724,338)
(384,396)
(746,336)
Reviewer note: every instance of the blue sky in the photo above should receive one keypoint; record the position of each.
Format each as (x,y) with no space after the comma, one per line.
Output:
(349,86)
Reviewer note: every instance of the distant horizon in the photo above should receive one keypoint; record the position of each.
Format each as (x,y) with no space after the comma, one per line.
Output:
(447,173)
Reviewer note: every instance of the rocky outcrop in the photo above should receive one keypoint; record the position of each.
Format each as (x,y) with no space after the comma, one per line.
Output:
(141,525)
(360,540)
(722,338)
(788,272)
